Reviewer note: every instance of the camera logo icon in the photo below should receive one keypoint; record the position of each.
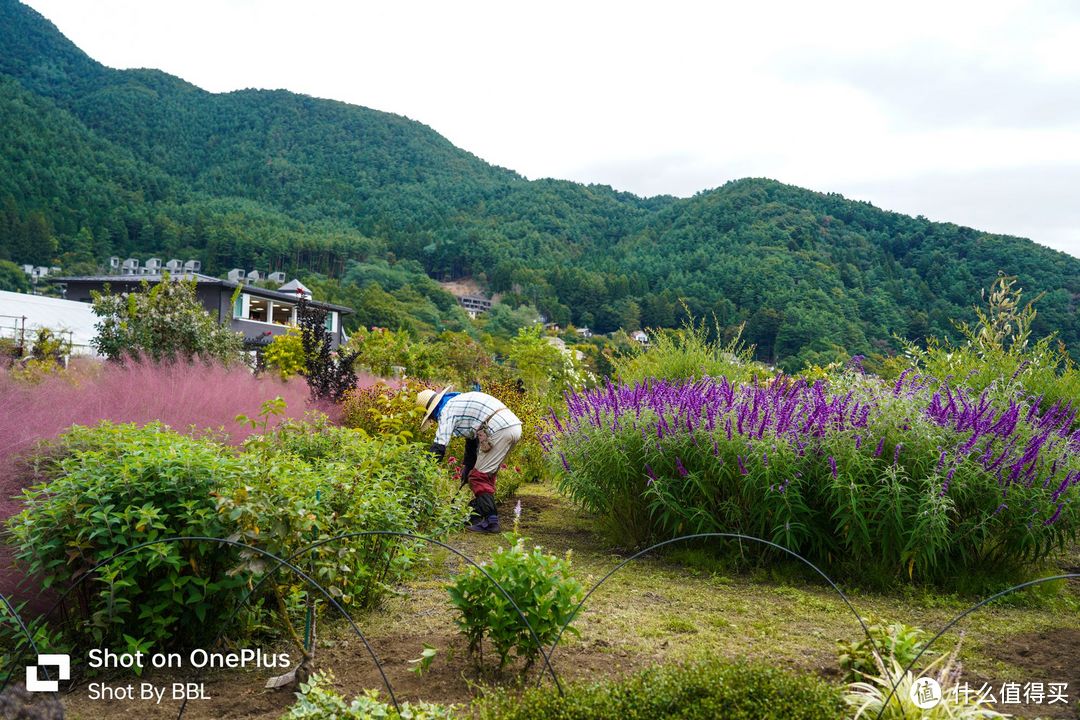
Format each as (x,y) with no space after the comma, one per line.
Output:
(61,662)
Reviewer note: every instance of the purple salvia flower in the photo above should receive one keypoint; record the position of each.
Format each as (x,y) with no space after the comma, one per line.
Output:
(832,466)
(896,453)
(651,474)
(565,464)
(679,467)
(1054,518)
(880,447)
(742,467)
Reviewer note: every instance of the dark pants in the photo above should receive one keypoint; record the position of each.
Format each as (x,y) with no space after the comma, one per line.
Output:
(483,502)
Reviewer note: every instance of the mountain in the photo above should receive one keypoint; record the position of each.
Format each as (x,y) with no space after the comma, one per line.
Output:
(98,161)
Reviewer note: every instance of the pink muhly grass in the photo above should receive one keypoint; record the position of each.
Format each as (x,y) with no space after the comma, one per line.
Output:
(181,395)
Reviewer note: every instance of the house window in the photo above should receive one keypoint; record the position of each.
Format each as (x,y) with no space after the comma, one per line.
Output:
(331,322)
(258,309)
(282,314)
(240,307)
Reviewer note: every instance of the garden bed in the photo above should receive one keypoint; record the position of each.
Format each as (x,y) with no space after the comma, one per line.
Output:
(655,611)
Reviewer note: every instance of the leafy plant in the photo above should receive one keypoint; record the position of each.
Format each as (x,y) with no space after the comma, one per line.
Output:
(385,410)
(539,584)
(310,481)
(896,640)
(285,354)
(13,642)
(317,700)
(329,372)
(545,369)
(423,663)
(867,698)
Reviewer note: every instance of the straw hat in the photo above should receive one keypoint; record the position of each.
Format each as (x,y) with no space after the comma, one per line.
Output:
(429,400)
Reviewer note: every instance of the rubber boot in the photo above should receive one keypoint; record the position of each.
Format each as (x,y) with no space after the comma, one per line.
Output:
(490,524)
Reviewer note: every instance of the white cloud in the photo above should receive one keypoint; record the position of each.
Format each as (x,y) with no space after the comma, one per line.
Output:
(885,99)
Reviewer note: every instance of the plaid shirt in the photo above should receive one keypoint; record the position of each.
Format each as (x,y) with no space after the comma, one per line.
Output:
(463,415)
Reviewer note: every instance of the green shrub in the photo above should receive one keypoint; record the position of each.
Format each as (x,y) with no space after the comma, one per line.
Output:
(539,584)
(317,700)
(311,481)
(698,691)
(285,354)
(901,642)
(112,487)
(386,410)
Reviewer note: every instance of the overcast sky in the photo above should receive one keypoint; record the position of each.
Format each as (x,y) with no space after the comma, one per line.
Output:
(962,112)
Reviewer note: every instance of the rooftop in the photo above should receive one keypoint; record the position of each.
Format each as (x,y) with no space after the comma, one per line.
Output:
(201,280)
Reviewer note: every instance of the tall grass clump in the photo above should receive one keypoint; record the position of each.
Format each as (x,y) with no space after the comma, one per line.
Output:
(916,478)
(689,353)
(996,353)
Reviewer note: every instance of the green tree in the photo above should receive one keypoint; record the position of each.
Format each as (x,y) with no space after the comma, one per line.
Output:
(545,368)
(12,277)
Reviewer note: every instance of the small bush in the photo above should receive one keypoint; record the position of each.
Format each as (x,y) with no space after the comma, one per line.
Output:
(896,640)
(539,584)
(386,409)
(310,482)
(317,700)
(285,354)
(116,486)
(329,373)
(699,691)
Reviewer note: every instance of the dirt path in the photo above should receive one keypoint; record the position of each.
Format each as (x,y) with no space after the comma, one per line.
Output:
(654,611)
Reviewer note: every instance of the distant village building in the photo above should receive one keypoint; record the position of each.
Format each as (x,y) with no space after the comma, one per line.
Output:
(474,304)
(40,271)
(559,344)
(584,332)
(259,313)
(640,336)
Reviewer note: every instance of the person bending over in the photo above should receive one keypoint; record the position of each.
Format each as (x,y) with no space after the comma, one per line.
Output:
(490,430)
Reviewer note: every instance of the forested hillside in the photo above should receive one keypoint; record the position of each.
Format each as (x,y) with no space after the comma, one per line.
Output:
(97,161)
